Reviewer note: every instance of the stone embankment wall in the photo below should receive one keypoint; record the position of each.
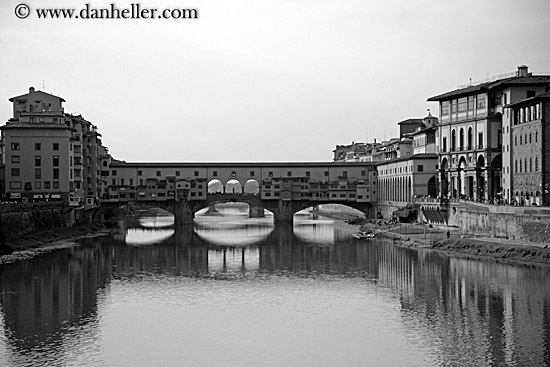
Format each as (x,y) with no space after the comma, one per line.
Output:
(529,224)
(17,220)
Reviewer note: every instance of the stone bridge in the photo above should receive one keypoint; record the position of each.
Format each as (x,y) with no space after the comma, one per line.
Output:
(282,188)
(184,210)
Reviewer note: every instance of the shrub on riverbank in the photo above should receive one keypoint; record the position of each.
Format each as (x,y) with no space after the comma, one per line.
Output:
(502,251)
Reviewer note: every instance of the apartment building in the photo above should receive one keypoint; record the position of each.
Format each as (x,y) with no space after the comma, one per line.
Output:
(49,155)
(474,135)
(530,139)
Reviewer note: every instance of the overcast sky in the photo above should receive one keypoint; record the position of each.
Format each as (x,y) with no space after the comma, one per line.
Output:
(263,80)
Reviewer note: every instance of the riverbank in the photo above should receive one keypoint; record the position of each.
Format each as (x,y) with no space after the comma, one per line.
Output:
(36,242)
(417,236)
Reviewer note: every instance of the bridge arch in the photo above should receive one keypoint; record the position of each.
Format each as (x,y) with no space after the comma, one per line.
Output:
(233,187)
(251,187)
(215,186)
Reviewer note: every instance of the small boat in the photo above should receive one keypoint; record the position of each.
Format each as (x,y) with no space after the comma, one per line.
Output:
(363,234)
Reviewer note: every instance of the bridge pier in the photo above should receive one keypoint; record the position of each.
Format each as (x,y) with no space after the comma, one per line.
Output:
(184,213)
(256,211)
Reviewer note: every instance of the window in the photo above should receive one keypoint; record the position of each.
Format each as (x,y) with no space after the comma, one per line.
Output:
(289,173)
(196,173)
(520,166)
(481,101)
(480,140)
(471,103)
(453,141)
(462,104)
(56,173)
(270,174)
(233,173)
(178,173)
(251,173)
(345,173)
(453,106)
(158,173)
(55,160)
(215,173)
(326,173)
(37,184)
(56,184)
(16,185)
(15,146)
(445,107)
(420,168)
(536,164)
(46,184)
(15,172)
(55,146)
(15,159)
(444,148)
(37,146)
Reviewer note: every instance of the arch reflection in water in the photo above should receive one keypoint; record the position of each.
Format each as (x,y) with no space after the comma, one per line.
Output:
(140,237)
(233,259)
(157,221)
(231,226)
(318,230)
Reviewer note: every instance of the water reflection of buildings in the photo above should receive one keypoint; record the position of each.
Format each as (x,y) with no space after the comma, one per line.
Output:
(44,297)
(495,314)
(470,311)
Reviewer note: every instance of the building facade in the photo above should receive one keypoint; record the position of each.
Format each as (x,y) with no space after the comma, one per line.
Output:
(473,139)
(49,155)
(530,139)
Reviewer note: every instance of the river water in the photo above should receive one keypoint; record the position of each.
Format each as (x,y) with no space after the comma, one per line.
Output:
(239,291)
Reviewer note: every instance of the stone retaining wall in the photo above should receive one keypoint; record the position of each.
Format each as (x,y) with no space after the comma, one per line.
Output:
(529,224)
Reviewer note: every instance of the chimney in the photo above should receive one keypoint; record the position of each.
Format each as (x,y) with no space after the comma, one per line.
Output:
(31,89)
(523,70)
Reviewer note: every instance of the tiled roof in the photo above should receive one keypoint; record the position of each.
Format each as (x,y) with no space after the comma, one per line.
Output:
(38,91)
(237,164)
(457,92)
(528,100)
(515,80)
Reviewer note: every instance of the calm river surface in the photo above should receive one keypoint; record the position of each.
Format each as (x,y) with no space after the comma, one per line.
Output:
(239,291)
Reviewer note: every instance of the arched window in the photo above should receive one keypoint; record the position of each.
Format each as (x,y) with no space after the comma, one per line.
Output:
(530,138)
(530,164)
(470,138)
(461,139)
(536,164)
(516,164)
(520,168)
(453,140)
(520,139)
